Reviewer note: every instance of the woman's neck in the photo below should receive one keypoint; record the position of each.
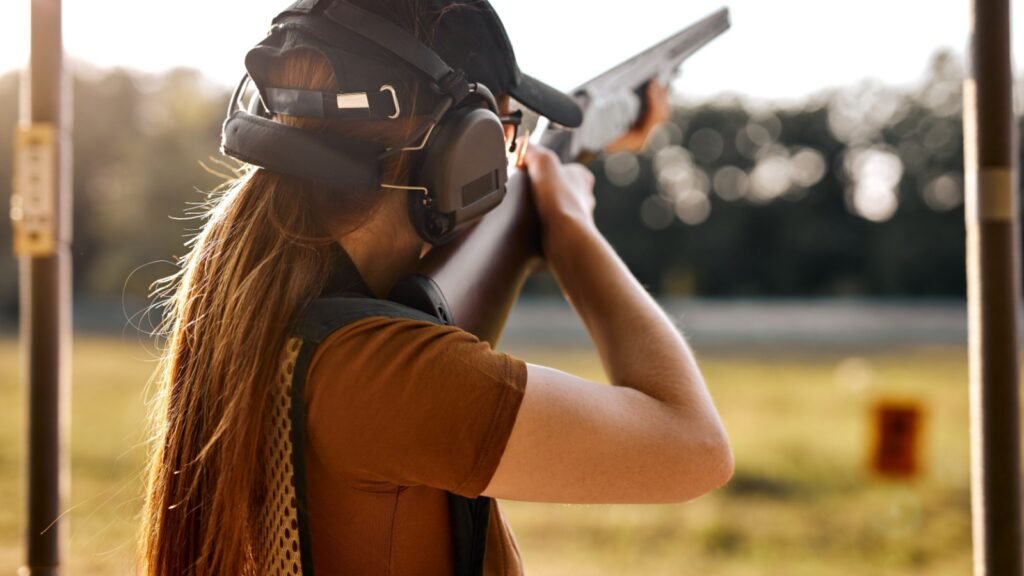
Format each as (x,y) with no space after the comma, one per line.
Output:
(385,248)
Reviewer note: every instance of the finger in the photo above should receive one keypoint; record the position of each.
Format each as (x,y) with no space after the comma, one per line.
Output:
(538,152)
(580,173)
(590,177)
(659,109)
(539,160)
(522,146)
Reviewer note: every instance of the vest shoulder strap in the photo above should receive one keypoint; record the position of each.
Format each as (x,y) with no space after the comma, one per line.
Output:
(328,315)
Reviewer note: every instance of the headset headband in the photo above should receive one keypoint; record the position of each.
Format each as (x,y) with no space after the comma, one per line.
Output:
(381,32)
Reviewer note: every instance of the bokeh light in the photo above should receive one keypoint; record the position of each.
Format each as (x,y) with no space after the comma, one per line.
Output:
(622,169)
(679,180)
(751,138)
(731,183)
(944,193)
(656,213)
(706,145)
(808,167)
(875,174)
(664,135)
(694,208)
(943,95)
(771,176)
(856,115)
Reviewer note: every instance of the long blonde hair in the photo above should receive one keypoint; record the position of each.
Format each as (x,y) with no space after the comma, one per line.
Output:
(261,257)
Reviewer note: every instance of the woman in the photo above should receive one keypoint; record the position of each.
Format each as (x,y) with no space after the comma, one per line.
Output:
(398,413)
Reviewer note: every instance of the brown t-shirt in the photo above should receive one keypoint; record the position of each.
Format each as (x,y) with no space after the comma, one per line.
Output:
(399,413)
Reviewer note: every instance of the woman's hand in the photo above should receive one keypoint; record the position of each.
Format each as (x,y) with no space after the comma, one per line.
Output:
(657,111)
(563,193)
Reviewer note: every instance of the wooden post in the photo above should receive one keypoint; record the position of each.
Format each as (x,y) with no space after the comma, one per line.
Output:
(41,215)
(993,270)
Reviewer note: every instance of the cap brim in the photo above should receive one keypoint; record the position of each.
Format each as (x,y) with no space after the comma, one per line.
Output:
(547,101)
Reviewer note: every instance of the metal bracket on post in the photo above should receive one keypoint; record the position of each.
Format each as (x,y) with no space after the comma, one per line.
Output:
(34,202)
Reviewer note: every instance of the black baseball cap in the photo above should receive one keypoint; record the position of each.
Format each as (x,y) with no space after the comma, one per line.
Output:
(467,35)
(471,37)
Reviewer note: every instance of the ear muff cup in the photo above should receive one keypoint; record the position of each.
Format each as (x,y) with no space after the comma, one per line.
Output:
(465,168)
(432,226)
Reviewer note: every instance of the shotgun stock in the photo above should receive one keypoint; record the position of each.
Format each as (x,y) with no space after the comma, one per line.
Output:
(474,281)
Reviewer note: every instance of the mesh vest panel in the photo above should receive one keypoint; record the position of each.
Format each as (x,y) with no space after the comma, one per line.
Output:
(277,551)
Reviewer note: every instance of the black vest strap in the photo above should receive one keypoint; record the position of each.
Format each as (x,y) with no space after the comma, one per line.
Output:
(469,517)
(328,315)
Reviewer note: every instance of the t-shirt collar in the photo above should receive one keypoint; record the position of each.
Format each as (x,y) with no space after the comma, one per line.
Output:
(344,278)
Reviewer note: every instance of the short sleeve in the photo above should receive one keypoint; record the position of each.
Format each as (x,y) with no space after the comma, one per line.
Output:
(412,403)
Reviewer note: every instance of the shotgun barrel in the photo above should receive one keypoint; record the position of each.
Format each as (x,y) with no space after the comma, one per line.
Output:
(613,101)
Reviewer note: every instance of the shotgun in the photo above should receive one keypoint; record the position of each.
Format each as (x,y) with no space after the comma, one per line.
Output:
(473,281)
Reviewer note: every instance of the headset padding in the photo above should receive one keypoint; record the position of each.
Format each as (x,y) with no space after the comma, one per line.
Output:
(301,153)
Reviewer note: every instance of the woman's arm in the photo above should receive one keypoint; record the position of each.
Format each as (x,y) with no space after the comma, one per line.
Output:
(654,436)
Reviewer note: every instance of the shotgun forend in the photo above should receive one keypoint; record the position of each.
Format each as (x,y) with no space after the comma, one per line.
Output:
(612,102)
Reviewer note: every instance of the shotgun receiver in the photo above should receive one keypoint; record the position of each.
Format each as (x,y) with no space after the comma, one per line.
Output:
(473,281)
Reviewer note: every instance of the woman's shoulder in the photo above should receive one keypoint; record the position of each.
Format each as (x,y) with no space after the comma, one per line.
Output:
(376,337)
(389,347)
(412,402)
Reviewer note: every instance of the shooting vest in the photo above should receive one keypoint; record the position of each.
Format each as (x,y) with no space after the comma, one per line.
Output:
(283,544)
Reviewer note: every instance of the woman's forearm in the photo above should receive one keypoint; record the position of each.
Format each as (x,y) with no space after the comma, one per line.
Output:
(639,345)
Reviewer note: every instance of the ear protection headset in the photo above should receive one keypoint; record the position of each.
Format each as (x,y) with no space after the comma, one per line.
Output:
(460,168)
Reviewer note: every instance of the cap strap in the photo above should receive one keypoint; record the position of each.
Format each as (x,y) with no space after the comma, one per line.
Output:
(371,105)
(455,84)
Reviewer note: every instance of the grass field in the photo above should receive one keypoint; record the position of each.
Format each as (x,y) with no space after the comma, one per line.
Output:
(802,501)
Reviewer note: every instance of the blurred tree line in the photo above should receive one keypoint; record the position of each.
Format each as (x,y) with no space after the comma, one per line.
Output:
(858,191)
(138,142)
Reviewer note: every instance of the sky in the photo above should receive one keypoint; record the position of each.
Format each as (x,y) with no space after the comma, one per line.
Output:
(783,50)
